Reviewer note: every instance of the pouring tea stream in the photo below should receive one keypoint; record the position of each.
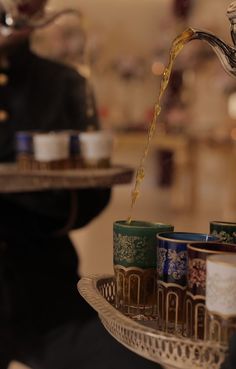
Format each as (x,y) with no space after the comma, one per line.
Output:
(227,57)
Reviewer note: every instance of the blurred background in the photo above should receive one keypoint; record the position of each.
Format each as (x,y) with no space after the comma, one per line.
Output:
(190,175)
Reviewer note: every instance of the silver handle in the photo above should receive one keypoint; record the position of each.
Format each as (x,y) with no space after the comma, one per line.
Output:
(231,13)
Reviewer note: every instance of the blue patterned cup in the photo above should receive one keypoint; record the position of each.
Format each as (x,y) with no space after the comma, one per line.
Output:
(172,277)
(24,149)
(24,142)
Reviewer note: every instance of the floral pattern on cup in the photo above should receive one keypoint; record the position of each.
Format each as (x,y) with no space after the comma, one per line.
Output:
(135,260)
(172,255)
(161,259)
(223,236)
(224,230)
(197,256)
(172,277)
(197,273)
(133,250)
(134,244)
(172,262)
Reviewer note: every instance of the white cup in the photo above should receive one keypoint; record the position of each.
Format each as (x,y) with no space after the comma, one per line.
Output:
(221,285)
(96,146)
(221,298)
(51,146)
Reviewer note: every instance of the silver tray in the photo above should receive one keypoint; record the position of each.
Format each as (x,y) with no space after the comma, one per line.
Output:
(13,179)
(168,350)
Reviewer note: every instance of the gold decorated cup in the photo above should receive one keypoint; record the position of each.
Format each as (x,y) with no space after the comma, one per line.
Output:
(197,254)
(172,277)
(135,261)
(221,298)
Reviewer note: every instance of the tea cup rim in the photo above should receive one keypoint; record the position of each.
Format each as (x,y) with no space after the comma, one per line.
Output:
(193,246)
(141,224)
(161,236)
(223,223)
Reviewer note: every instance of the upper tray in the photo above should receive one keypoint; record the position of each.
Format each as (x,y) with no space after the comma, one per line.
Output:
(12,179)
(168,350)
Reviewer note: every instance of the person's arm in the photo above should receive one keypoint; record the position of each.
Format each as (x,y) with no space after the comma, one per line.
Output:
(58,211)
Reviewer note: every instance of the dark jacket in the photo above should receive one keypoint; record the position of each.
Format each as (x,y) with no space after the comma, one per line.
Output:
(48,96)
(38,264)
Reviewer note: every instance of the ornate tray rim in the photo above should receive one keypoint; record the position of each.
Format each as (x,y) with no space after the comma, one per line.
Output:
(13,179)
(87,287)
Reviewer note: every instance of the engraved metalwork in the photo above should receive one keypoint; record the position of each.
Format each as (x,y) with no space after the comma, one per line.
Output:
(195,316)
(219,328)
(170,300)
(136,291)
(170,351)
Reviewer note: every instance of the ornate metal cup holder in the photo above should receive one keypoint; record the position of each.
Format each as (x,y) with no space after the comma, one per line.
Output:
(170,351)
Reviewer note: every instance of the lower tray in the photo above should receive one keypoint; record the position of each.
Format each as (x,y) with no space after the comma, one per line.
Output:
(170,351)
(12,179)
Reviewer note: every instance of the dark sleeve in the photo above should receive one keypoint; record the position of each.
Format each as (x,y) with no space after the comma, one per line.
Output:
(59,211)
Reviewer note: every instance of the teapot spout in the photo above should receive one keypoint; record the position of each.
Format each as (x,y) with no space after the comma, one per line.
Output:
(225,53)
(9,24)
(51,17)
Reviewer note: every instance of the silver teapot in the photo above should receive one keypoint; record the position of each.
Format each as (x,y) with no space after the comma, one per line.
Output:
(225,53)
(30,14)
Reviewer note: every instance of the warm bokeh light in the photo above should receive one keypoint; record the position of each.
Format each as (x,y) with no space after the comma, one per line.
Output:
(232,105)
(158,68)
(233,134)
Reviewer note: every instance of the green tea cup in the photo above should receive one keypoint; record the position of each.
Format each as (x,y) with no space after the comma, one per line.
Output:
(135,266)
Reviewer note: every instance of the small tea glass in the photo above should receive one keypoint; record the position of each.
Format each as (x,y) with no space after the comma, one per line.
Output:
(96,149)
(221,298)
(135,260)
(172,277)
(52,150)
(196,284)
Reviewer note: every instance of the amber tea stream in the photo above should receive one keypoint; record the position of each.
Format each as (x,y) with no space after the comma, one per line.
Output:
(176,48)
